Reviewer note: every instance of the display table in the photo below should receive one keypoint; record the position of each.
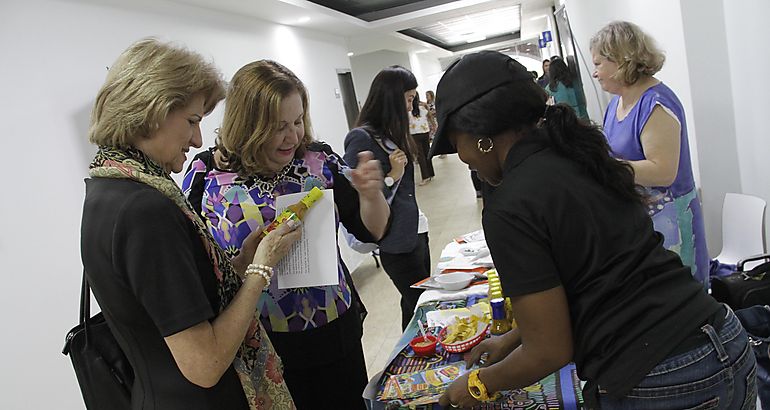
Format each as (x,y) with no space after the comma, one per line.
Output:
(560,390)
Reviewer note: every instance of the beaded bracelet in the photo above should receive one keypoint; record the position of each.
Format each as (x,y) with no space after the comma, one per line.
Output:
(266,272)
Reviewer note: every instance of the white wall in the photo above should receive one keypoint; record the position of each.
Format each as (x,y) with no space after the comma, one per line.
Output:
(712,117)
(747,31)
(54,56)
(365,67)
(427,70)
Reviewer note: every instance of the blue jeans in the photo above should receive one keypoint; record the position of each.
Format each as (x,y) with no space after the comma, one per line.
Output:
(720,374)
(756,321)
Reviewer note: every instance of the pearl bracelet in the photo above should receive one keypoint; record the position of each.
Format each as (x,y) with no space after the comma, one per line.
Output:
(266,272)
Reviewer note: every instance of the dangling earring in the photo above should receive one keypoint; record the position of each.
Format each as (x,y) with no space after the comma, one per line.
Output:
(482,149)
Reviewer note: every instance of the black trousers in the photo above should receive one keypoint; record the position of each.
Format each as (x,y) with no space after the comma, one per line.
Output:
(404,269)
(423,146)
(324,368)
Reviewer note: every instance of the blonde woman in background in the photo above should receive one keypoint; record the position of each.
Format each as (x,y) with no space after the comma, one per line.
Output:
(646,127)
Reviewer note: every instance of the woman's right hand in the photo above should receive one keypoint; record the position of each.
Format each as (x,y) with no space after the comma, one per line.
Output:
(398,162)
(276,244)
(495,348)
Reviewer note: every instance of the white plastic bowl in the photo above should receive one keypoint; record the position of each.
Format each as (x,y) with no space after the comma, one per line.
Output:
(454,280)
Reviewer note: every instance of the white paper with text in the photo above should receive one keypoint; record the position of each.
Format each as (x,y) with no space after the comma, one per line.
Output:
(312,261)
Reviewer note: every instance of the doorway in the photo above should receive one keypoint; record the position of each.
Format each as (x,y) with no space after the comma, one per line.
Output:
(349,100)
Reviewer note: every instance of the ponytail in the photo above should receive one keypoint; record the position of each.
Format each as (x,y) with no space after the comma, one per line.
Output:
(521,106)
(586,145)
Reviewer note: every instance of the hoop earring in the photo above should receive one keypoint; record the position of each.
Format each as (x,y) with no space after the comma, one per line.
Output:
(482,149)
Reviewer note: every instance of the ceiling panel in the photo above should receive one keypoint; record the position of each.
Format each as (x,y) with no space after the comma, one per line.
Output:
(372,10)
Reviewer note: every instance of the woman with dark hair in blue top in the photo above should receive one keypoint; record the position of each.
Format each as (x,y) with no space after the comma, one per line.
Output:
(383,128)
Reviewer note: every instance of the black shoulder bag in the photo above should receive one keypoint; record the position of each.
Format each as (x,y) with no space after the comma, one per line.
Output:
(743,289)
(104,374)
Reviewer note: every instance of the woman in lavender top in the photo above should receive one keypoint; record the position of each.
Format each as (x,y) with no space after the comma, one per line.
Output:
(645,125)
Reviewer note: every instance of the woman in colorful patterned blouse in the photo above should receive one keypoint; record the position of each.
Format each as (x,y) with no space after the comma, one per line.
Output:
(265,149)
(645,126)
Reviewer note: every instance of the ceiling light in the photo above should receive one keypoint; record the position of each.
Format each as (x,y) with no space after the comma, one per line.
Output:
(474,37)
(304,19)
(350,54)
(474,27)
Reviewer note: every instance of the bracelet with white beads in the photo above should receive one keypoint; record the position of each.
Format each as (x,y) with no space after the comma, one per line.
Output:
(266,272)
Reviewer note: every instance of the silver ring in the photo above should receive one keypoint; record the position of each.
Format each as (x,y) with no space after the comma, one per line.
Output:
(454,406)
(483,359)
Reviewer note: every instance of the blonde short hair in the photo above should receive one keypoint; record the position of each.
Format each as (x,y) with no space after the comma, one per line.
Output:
(635,53)
(148,81)
(252,115)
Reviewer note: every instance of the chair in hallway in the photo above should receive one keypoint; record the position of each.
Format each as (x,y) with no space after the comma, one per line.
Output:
(743,227)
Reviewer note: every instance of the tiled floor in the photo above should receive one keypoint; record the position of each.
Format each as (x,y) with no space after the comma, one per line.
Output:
(450,203)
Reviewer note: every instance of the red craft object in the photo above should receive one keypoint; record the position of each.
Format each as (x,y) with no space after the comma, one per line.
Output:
(464,345)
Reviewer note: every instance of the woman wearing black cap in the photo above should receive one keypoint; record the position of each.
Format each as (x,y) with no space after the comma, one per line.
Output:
(588,277)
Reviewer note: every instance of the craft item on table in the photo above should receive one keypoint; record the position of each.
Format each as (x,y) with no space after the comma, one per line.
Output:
(455,280)
(500,324)
(431,283)
(557,391)
(461,262)
(466,338)
(443,318)
(423,383)
(424,345)
(474,236)
(451,304)
(496,291)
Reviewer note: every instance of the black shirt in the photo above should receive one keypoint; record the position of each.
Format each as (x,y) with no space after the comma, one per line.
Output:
(631,301)
(152,278)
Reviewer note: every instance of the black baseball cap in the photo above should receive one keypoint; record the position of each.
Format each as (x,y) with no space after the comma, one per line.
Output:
(467,79)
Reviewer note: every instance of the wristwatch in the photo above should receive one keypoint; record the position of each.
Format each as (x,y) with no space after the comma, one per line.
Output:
(478,389)
(389,181)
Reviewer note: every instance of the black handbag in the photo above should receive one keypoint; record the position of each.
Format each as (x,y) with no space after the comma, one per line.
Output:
(743,289)
(104,374)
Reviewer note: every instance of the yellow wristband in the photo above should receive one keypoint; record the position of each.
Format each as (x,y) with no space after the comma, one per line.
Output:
(476,387)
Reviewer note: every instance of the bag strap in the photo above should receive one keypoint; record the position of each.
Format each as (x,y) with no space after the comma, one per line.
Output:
(381,144)
(85,304)
(739,265)
(758,272)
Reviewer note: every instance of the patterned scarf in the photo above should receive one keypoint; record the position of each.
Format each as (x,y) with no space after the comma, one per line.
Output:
(258,366)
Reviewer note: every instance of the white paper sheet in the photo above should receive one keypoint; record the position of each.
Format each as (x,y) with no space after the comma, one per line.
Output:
(312,261)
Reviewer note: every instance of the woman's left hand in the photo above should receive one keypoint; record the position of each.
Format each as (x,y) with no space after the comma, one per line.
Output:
(367,177)
(457,395)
